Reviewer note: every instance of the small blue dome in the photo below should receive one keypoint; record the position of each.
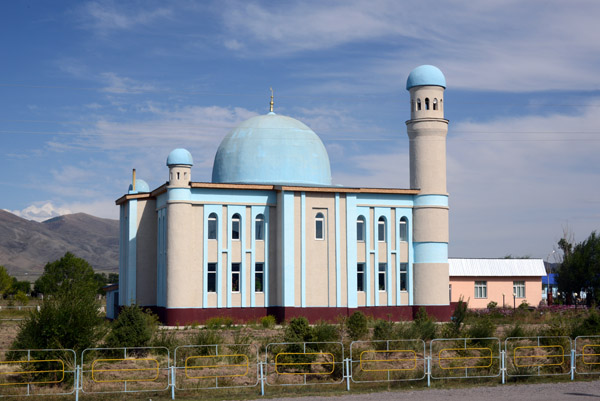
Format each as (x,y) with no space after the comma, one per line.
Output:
(180,157)
(140,186)
(426,75)
(272,149)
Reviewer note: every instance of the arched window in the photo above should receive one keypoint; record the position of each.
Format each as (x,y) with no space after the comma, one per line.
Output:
(418,104)
(426,103)
(236,226)
(403,229)
(319,226)
(360,229)
(259,227)
(435,104)
(381,229)
(212,226)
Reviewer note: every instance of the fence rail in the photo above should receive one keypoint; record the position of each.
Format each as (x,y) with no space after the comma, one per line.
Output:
(222,366)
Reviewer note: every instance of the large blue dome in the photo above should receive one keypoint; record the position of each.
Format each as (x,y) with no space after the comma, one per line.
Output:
(426,75)
(272,149)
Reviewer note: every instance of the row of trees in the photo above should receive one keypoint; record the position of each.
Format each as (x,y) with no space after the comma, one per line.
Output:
(579,270)
(10,286)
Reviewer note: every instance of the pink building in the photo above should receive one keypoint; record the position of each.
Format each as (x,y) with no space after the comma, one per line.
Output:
(507,282)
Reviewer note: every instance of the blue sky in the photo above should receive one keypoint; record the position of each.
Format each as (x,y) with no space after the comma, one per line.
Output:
(90,90)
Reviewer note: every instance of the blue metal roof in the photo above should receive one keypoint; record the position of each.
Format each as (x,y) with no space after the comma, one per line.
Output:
(426,75)
(272,149)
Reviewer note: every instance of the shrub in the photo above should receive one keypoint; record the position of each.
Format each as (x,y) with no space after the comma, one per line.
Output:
(523,306)
(298,330)
(459,315)
(483,327)
(325,332)
(516,330)
(69,320)
(218,322)
(21,298)
(165,338)
(357,325)
(492,305)
(268,322)
(206,337)
(134,327)
(383,330)
(424,326)
(589,326)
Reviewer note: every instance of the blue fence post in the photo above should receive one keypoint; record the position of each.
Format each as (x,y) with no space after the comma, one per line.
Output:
(262,379)
(172,382)
(348,374)
(428,371)
(572,364)
(77,382)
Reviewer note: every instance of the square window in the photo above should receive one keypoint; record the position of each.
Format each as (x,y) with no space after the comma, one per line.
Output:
(235,277)
(259,272)
(381,276)
(403,276)
(360,277)
(481,289)
(211,285)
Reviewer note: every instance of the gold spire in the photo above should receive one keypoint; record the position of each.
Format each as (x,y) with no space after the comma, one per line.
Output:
(271,108)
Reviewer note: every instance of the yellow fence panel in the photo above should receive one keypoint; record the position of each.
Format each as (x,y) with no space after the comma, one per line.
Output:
(217,366)
(465,358)
(22,372)
(539,355)
(125,370)
(294,362)
(388,361)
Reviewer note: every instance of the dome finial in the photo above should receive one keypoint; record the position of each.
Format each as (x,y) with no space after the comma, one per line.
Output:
(271,108)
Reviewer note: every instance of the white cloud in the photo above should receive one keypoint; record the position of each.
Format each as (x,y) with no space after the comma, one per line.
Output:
(40,211)
(104,17)
(479,45)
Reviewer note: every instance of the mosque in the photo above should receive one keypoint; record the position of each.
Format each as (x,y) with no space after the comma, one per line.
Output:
(271,234)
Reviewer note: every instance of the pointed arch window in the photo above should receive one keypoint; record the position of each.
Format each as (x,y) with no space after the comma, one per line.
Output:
(426,103)
(418,104)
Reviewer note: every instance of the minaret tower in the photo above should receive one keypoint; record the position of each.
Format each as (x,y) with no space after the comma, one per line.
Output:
(427,130)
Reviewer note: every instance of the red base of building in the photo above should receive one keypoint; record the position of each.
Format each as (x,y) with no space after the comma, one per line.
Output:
(186,316)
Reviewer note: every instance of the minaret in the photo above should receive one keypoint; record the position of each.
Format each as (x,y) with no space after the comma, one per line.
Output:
(179,219)
(427,130)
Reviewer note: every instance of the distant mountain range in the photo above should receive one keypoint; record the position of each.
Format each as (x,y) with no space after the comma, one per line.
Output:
(26,246)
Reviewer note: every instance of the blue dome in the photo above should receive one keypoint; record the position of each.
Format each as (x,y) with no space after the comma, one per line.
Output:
(426,75)
(140,186)
(272,149)
(180,157)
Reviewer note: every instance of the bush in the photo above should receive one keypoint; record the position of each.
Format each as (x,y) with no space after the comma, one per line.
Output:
(424,326)
(21,298)
(133,328)
(483,327)
(325,332)
(492,305)
(459,315)
(383,330)
(68,320)
(516,330)
(298,330)
(218,322)
(165,338)
(268,322)
(523,306)
(589,326)
(357,326)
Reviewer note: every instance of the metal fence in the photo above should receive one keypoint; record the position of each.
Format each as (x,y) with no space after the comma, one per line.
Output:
(244,366)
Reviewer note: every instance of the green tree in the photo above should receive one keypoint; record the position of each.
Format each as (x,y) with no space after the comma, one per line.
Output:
(65,272)
(71,317)
(5,281)
(580,269)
